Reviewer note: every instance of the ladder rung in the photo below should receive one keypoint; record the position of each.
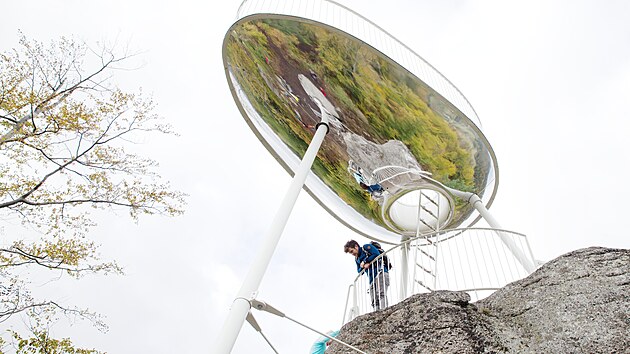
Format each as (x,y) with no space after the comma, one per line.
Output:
(429,226)
(426,254)
(428,211)
(429,198)
(430,242)
(422,285)
(426,270)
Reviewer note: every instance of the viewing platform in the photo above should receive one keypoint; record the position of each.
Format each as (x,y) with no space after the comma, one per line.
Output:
(474,260)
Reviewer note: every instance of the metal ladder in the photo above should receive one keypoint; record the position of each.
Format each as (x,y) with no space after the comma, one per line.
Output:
(425,254)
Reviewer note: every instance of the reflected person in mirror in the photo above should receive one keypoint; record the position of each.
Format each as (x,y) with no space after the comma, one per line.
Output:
(375,189)
(366,259)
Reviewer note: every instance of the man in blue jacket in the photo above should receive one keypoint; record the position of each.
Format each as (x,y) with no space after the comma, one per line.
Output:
(377,272)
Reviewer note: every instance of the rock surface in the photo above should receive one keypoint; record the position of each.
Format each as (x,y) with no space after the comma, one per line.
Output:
(577,303)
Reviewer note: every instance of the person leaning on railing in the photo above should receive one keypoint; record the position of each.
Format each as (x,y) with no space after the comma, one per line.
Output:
(376,271)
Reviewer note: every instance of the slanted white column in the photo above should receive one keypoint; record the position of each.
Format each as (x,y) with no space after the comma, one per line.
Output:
(477,203)
(241,305)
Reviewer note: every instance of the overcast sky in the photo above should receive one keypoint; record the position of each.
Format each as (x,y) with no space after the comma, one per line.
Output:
(550,81)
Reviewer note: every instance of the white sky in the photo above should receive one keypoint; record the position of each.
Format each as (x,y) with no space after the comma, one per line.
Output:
(550,81)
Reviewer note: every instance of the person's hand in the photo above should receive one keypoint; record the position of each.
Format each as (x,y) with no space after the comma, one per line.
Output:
(366,265)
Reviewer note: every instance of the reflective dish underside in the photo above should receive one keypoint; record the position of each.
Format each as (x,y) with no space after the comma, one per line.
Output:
(381,116)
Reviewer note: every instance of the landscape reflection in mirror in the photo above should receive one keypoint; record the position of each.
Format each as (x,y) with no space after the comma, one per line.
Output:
(395,145)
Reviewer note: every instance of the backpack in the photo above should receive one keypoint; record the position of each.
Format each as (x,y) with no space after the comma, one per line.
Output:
(384,258)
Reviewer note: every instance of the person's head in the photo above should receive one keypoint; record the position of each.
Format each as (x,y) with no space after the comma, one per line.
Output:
(351,247)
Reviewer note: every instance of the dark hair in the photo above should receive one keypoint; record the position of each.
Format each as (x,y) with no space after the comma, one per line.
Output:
(350,244)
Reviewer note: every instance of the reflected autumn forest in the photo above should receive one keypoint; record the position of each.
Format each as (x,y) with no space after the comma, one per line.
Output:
(374,101)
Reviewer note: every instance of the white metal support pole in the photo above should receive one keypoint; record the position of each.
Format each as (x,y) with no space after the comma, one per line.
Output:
(477,203)
(404,268)
(436,248)
(507,240)
(241,305)
(354,311)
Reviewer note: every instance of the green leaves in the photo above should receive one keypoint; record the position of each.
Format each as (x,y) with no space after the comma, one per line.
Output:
(63,133)
(76,257)
(40,342)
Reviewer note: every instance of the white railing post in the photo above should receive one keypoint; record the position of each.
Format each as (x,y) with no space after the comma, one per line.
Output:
(354,311)
(241,305)
(415,263)
(437,251)
(404,269)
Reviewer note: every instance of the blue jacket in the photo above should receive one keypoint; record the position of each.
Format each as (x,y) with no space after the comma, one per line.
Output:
(367,254)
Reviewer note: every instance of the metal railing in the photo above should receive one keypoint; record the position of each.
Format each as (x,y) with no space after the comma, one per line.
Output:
(333,14)
(474,260)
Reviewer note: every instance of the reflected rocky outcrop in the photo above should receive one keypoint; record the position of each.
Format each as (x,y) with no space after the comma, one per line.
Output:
(371,156)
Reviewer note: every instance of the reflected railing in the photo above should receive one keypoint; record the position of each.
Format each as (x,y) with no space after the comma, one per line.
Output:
(474,260)
(339,16)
